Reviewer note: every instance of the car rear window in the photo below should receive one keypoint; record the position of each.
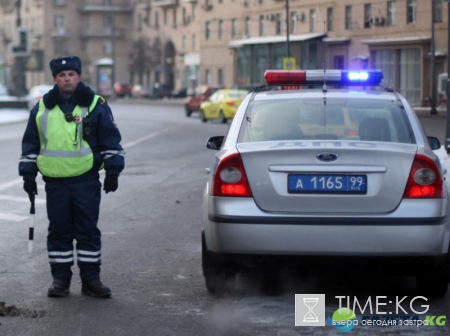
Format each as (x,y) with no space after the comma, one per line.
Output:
(338,119)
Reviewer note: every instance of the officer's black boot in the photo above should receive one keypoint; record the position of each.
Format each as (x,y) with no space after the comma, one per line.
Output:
(59,288)
(95,288)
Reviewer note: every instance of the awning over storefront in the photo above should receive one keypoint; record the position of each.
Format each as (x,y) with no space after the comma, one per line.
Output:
(274,39)
(336,40)
(399,40)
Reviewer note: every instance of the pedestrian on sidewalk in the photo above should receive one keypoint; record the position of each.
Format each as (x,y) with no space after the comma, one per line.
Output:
(70,136)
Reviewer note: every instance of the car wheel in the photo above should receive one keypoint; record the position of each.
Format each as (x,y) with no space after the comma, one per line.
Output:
(222,117)
(218,278)
(187,111)
(202,116)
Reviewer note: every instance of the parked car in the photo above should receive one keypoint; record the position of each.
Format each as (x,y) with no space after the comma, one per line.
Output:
(36,93)
(140,91)
(181,93)
(3,90)
(161,91)
(222,105)
(201,93)
(307,175)
(122,90)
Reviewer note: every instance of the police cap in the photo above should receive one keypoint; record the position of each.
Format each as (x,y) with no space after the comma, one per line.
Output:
(62,63)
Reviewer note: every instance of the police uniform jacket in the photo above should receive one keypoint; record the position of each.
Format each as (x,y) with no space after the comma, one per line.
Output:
(104,138)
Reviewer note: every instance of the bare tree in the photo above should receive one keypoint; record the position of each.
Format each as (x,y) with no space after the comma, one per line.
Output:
(145,57)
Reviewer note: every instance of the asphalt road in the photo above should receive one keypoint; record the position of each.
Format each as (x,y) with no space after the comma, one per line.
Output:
(151,251)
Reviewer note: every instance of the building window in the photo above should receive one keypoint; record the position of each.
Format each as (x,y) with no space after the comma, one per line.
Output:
(411,11)
(247,26)
(220,76)
(183,43)
(330,19)
(194,42)
(367,15)
(391,11)
(438,11)
(220,29)
(348,17)
(107,47)
(312,20)
(207,30)
(58,22)
(59,47)
(293,22)
(59,2)
(156,20)
(261,25)
(278,24)
(208,78)
(174,16)
(233,28)
(108,21)
(165,16)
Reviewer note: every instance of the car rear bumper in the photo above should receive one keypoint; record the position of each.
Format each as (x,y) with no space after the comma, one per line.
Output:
(228,230)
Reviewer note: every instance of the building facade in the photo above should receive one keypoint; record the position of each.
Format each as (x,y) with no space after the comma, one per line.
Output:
(185,43)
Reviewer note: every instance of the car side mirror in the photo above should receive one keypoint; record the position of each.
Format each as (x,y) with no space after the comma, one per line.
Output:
(434,143)
(215,142)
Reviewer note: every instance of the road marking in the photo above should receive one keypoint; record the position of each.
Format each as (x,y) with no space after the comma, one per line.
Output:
(14,218)
(20,199)
(11,184)
(151,135)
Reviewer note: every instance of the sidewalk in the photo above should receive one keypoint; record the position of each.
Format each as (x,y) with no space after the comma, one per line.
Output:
(13,115)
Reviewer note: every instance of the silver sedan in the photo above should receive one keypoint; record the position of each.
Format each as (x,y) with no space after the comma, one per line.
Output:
(326,172)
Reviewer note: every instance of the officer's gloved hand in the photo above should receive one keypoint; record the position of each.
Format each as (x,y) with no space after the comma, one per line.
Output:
(111,183)
(30,186)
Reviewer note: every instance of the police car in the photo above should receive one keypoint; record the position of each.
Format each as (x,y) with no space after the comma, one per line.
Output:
(314,170)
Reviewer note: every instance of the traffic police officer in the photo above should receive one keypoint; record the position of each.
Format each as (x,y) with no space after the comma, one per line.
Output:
(70,135)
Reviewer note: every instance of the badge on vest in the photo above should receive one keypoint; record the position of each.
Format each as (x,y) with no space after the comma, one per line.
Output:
(77,119)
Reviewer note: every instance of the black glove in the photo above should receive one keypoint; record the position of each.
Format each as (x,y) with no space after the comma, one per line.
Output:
(111,183)
(30,186)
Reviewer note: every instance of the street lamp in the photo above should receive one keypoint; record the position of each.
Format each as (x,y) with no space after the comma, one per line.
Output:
(433,71)
(288,47)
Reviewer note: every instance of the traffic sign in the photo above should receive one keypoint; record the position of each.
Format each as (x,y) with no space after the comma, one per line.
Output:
(289,63)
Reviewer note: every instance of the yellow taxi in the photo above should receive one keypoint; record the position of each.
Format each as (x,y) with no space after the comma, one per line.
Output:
(222,105)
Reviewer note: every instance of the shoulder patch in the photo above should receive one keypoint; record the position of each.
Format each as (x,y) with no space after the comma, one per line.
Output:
(102,100)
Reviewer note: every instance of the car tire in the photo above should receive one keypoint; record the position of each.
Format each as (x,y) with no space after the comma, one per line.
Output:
(202,116)
(187,111)
(222,117)
(218,278)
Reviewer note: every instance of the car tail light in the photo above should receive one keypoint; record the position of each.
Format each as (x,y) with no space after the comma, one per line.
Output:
(230,103)
(230,178)
(424,179)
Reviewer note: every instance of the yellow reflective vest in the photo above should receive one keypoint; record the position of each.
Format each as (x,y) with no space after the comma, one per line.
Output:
(64,152)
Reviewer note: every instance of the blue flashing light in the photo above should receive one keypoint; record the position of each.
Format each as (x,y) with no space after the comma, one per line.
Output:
(373,77)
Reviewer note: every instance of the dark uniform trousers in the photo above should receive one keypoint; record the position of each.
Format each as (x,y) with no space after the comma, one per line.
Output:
(73,206)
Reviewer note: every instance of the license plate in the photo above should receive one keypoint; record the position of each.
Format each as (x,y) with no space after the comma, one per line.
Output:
(320,183)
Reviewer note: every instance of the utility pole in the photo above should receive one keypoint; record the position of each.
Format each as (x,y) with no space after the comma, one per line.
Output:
(447,91)
(288,47)
(433,66)
(113,57)
(19,59)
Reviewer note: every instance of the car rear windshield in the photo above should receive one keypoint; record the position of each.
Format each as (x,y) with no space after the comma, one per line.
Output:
(341,119)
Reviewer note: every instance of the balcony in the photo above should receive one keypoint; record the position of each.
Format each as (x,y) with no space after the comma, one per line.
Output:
(99,7)
(190,1)
(59,32)
(164,3)
(105,32)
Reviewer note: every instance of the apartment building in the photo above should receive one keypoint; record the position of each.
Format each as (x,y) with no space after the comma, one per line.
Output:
(96,30)
(184,43)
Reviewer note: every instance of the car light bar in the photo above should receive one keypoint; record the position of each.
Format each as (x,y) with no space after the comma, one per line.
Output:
(319,77)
